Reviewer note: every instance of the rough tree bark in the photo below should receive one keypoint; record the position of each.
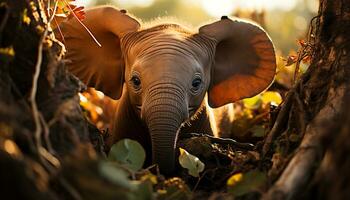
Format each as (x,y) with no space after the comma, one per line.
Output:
(42,127)
(315,107)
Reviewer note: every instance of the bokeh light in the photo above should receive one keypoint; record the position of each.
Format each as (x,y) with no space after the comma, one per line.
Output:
(218,8)
(138,3)
(83,2)
(282,19)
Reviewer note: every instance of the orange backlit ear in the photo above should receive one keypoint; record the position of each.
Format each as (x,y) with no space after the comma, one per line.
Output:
(245,62)
(99,67)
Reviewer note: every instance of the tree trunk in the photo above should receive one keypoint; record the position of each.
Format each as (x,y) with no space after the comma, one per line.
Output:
(317,110)
(41,122)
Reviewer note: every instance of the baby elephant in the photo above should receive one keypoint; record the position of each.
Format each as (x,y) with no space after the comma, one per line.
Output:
(161,74)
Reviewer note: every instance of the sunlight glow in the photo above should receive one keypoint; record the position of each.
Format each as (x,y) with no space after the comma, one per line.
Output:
(284,5)
(300,23)
(218,8)
(82,2)
(82,98)
(100,94)
(138,3)
(312,5)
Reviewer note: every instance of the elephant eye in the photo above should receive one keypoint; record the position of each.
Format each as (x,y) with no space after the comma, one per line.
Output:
(136,82)
(196,83)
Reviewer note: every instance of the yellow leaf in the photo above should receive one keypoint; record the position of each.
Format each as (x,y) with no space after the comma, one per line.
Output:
(84,102)
(40,29)
(150,177)
(7,51)
(11,148)
(269,97)
(182,151)
(240,184)
(26,19)
(61,4)
(234,179)
(253,102)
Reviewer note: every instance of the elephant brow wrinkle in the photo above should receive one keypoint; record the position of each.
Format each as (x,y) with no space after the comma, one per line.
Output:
(174,27)
(168,39)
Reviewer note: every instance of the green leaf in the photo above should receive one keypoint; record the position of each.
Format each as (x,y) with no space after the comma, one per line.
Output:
(253,103)
(115,174)
(128,152)
(191,162)
(240,184)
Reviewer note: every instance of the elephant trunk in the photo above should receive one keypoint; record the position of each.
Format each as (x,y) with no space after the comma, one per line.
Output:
(164,111)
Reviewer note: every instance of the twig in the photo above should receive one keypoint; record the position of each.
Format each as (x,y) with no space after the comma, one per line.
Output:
(46,134)
(297,65)
(48,6)
(278,125)
(32,97)
(246,146)
(81,23)
(48,157)
(306,50)
(200,178)
(59,30)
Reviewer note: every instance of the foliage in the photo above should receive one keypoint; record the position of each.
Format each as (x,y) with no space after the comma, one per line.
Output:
(67,9)
(191,162)
(116,175)
(129,153)
(63,10)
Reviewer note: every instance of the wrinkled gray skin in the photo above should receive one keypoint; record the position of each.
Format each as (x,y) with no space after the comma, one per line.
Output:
(166,63)
(161,74)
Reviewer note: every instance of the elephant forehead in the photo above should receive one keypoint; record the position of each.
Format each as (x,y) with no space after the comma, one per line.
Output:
(166,40)
(166,69)
(166,43)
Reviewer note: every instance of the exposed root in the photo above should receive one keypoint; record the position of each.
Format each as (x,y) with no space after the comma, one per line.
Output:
(310,153)
(279,123)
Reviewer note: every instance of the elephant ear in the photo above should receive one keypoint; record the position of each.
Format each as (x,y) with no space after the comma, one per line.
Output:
(245,62)
(101,67)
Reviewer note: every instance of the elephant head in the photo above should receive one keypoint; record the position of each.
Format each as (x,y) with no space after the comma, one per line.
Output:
(166,70)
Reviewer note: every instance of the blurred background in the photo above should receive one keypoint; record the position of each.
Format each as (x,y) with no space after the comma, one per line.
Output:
(283,19)
(286,21)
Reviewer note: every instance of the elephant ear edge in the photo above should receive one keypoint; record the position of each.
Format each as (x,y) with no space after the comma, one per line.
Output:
(101,67)
(245,61)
